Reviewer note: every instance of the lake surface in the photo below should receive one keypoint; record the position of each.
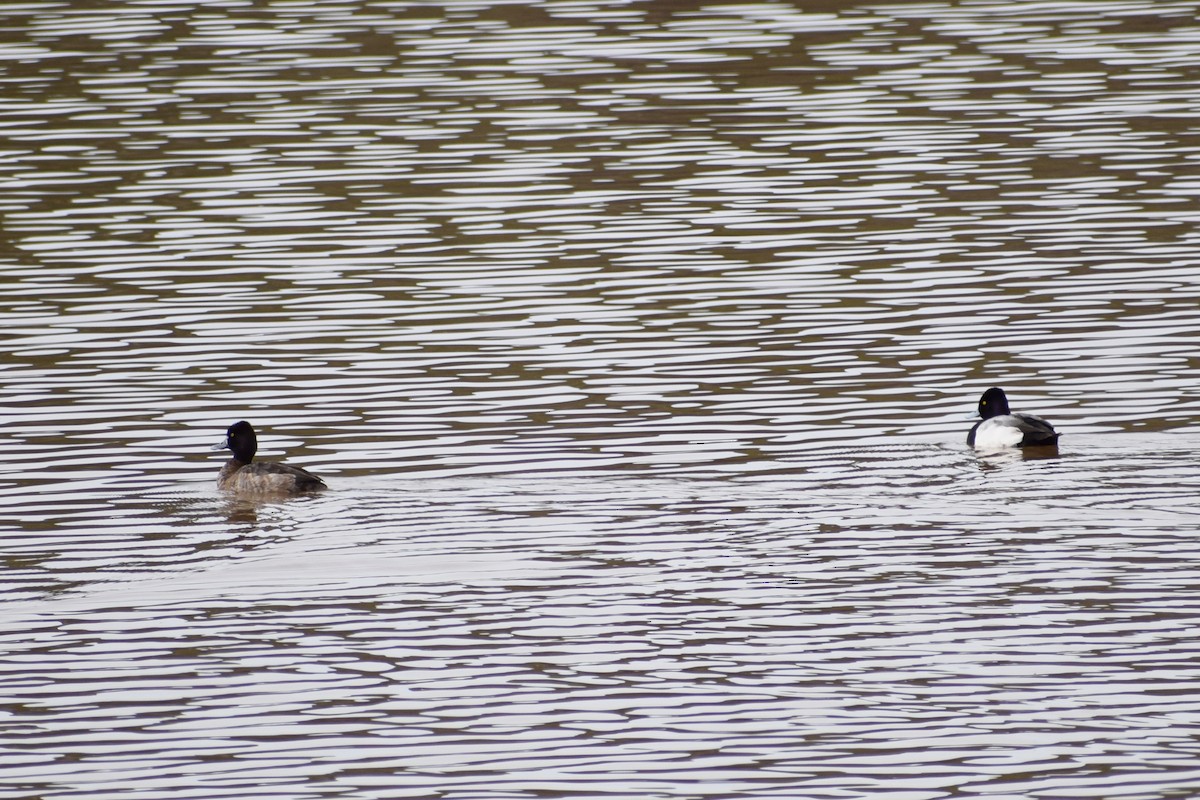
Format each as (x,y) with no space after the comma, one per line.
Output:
(638,344)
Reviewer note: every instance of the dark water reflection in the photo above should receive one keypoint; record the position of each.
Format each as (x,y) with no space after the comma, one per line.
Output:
(636,341)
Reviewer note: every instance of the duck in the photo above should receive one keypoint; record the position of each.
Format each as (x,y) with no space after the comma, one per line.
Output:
(243,475)
(1001,427)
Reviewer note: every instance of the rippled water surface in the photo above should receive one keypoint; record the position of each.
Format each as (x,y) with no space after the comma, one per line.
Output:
(637,344)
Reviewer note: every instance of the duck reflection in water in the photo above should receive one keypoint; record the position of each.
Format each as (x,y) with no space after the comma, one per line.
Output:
(245,476)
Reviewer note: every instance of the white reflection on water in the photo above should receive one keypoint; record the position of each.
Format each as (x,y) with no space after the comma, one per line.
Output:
(635,342)
(704,637)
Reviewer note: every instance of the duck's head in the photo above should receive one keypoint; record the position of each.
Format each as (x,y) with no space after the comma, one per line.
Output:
(241,440)
(994,403)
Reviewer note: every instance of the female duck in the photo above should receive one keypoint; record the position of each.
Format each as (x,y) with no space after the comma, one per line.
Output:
(1003,428)
(244,475)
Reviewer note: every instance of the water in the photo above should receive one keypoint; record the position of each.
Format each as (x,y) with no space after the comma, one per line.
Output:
(636,342)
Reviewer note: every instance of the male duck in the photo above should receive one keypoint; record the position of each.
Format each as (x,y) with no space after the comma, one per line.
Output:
(244,475)
(1003,428)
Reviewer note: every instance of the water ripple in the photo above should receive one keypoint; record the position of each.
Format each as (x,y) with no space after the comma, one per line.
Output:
(637,345)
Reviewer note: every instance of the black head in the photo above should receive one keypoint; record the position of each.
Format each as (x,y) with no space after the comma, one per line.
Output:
(241,440)
(993,403)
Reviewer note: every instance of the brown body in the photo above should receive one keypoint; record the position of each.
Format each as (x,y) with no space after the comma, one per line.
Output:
(266,477)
